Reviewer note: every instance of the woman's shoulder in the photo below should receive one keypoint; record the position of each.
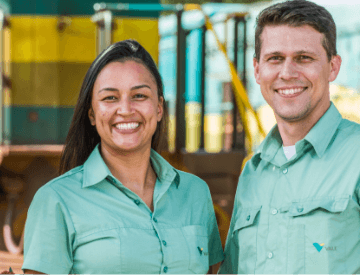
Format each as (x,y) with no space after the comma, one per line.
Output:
(72,179)
(191,181)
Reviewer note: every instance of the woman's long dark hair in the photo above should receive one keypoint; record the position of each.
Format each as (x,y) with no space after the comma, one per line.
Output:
(82,136)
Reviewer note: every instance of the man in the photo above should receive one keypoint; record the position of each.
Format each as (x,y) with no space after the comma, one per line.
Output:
(297,205)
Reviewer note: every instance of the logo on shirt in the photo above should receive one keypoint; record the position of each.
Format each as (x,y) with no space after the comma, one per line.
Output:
(202,252)
(320,246)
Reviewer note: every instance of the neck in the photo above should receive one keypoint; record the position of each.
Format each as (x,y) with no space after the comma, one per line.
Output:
(132,169)
(293,131)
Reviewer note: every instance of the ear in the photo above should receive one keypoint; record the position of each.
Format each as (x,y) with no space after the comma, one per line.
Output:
(91,116)
(160,109)
(256,70)
(335,64)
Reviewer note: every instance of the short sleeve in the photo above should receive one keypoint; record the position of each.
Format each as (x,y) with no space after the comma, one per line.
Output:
(49,234)
(216,252)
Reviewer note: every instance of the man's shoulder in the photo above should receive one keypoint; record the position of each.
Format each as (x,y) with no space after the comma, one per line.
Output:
(349,131)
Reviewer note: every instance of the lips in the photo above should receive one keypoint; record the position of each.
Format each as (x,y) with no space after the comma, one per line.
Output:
(127,126)
(291,91)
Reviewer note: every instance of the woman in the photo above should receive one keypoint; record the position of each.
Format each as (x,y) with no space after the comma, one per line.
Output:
(119,207)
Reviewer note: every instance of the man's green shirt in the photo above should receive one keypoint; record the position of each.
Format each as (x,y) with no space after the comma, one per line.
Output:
(300,215)
(86,221)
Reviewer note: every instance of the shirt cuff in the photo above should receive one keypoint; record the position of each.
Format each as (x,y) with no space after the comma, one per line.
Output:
(44,267)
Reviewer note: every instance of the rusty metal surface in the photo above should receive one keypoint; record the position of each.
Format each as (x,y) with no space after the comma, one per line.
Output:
(33,150)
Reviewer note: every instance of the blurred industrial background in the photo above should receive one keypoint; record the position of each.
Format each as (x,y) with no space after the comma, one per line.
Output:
(217,115)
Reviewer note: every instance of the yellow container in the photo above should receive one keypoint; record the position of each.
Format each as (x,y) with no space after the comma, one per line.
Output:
(213,142)
(171,133)
(193,126)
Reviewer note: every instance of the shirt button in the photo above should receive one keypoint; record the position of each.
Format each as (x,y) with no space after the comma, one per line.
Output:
(274,211)
(137,202)
(300,209)
(285,171)
(165,269)
(270,255)
(154,219)
(274,168)
(164,243)
(248,218)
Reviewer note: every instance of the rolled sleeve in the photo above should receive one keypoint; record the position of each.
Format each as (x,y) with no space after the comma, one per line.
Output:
(49,234)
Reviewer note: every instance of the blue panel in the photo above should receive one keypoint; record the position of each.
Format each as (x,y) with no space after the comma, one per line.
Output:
(167,66)
(5,6)
(71,7)
(213,96)
(39,125)
(193,66)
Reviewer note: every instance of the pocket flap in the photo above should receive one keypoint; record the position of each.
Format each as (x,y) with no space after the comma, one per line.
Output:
(246,217)
(330,204)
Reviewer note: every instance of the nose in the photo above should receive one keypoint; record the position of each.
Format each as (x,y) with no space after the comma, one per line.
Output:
(124,107)
(288,70)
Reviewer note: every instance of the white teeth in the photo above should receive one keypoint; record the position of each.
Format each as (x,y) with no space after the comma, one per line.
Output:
(290,91)
(127,126)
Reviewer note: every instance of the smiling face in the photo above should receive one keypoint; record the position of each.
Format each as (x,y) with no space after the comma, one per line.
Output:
(125,106)
(294,73)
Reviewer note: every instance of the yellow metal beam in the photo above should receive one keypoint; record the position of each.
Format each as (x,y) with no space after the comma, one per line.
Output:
(241,97)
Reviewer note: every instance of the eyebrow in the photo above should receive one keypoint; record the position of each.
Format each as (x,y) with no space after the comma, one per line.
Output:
(132,88)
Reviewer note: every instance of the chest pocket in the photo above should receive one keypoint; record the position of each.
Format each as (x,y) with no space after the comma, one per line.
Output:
(244,236)
(98,252)
(316,235)
(197,240)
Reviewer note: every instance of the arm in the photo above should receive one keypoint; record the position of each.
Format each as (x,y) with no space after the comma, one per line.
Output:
(28,271)
(214,268)
(48,234)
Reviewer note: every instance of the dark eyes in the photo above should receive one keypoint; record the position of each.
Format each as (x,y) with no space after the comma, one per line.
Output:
(109,98)
(275,58)
(114,98)
(300,58)
(140,96)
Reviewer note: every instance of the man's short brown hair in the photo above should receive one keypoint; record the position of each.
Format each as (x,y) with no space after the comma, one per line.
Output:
(297,13)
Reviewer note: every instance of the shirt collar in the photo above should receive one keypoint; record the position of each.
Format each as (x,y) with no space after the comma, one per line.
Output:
(328,124)
(95,169)
(269,147)
(164,171)
(324,130)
